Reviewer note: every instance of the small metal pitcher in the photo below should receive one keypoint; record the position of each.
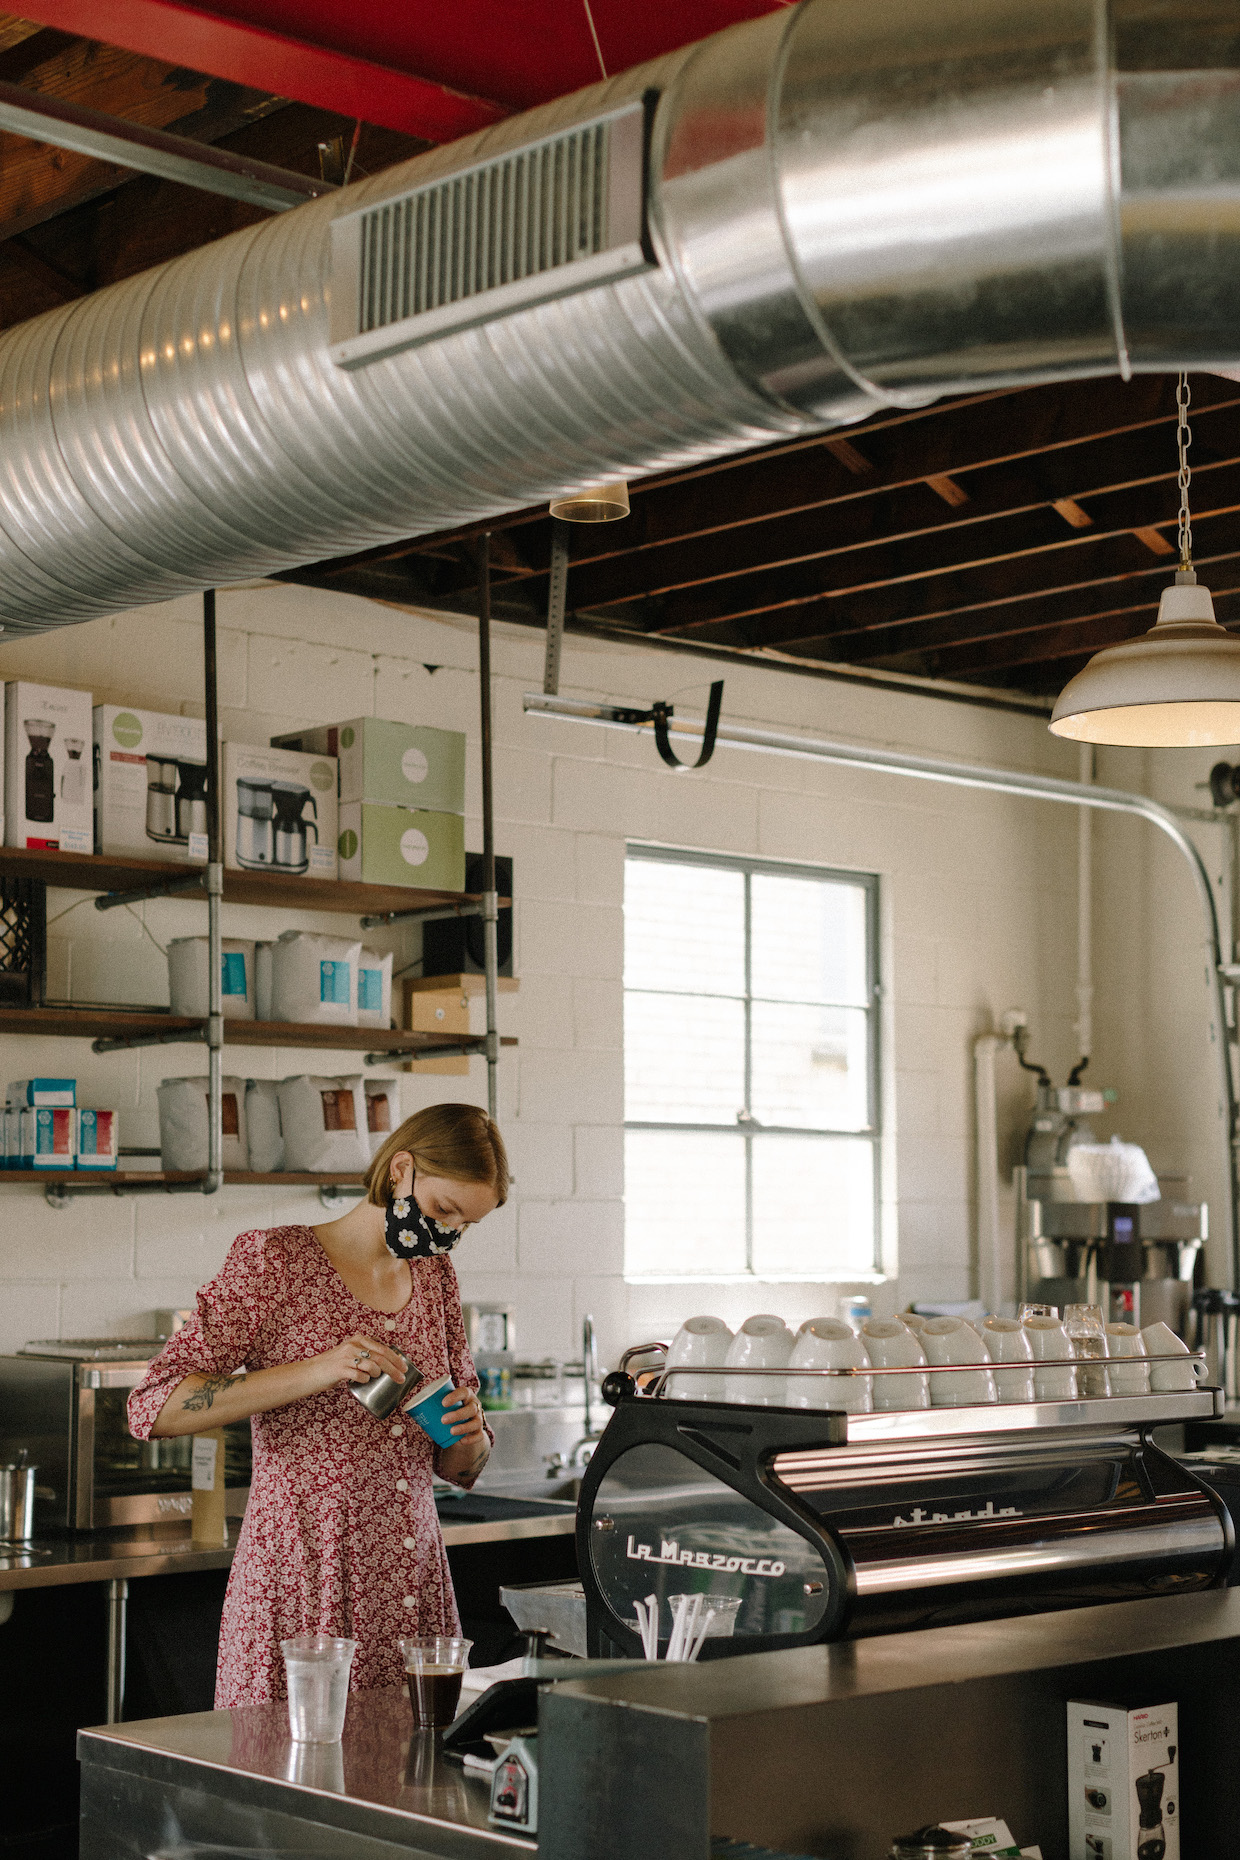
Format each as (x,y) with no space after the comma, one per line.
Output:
(384,1393)
(17,1500)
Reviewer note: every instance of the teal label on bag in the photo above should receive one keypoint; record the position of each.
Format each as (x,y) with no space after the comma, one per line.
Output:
(232,973)
(370,990)
(334,983)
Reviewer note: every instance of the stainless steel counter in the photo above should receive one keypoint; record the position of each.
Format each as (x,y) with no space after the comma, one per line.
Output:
(235,1778)
(166,1549)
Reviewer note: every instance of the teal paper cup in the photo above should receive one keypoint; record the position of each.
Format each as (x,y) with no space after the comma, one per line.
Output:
(428,1411)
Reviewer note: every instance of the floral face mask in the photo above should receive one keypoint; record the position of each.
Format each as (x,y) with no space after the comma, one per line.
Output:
(410,1234)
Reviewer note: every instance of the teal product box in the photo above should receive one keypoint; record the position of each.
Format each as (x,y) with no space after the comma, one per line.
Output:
(48,1137)
(401,846)
(45,1092)
(96,1139)
(399,764)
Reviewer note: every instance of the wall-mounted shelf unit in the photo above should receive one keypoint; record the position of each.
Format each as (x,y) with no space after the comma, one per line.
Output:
(121,1027)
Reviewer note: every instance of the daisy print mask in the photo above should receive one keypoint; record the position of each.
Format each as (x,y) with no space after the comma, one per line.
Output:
(410,1234)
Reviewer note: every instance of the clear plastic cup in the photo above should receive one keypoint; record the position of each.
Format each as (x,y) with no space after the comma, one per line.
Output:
(318,1686)
(434,1667)
(726,1608)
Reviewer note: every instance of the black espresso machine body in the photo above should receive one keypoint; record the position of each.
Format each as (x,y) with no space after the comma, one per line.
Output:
(828,1526)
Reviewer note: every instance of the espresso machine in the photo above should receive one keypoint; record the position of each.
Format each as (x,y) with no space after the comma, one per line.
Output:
(40,774)
(802,1525)
(1139,1260)
(256,843)
(291,848)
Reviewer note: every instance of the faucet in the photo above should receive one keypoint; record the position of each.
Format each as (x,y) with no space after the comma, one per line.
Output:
(589,1364)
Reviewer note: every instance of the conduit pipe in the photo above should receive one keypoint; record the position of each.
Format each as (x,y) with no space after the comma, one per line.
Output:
(999,781)
(847,209)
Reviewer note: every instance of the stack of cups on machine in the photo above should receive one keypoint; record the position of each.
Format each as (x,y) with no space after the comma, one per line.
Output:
(1036,1356)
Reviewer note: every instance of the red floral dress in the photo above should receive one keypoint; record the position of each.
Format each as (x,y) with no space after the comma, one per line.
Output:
(340,1534)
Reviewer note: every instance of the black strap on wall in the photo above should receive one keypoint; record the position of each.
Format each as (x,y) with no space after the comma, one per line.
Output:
(661,715)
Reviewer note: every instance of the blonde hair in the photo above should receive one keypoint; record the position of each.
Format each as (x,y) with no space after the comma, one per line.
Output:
(457,1141)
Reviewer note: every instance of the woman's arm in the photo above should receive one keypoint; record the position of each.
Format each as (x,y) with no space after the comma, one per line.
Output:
(199,1402)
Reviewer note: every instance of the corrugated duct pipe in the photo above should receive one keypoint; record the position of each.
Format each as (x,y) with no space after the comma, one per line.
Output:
(848,208)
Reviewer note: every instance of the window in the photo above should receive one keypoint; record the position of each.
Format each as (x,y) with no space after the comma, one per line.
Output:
(750,1069)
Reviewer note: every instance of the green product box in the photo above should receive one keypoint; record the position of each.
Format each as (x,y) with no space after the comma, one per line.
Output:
(400,764)
(401,846)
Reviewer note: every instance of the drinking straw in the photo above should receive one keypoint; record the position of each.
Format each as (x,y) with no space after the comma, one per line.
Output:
(703,1631)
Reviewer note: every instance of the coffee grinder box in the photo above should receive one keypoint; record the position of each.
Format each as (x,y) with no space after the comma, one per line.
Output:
(47,768)
(401,846)
(150,784)
(280,811)
(399,764)
(1123,1782)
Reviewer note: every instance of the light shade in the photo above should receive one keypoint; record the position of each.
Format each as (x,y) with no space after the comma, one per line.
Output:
(602,503)
(1178,686)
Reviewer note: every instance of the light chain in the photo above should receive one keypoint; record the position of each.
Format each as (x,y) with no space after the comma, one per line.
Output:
(1184,439)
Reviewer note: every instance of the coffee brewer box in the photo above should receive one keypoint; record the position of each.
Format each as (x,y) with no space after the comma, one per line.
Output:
(399,764)
(1123,1781)
(47,768)
(150,784)
(401,846)
(288,798)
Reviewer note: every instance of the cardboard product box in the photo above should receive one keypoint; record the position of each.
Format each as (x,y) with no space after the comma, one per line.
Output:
(1123,1781)
(47,768)
(48,1137)
(436,1010)
(402,764)
(401,846)
(279,811)
(150,784)
(97,1139)
(42,1092)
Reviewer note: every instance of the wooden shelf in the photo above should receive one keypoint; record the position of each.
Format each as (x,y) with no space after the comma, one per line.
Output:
(459,984)
(87,1023)
(172,1178)
(100,872)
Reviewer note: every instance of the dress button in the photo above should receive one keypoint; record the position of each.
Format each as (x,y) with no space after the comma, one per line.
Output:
(389,1323)
(411,1543)
(397,1428)
(410,1601)
(402,1485)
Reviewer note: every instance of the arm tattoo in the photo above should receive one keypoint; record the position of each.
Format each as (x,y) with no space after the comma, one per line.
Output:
(204,1396)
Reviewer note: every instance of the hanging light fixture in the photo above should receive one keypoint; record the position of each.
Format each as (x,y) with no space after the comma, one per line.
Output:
(1177,686)
(601,503)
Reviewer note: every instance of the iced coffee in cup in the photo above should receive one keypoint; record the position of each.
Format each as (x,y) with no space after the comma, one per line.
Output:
(434,1667)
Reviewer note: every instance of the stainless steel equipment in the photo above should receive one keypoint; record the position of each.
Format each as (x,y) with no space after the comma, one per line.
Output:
(161,803)
(17,1489)
(384,1393)
(64,1402)
(256,845)
(828,1525)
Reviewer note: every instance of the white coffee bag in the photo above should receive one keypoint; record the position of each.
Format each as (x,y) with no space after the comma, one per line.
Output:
(324,1124)
(262,1117)
(183,1124)
(314,978)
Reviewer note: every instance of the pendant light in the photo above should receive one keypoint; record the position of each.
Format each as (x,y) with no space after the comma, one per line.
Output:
(1177,686)
(601,503)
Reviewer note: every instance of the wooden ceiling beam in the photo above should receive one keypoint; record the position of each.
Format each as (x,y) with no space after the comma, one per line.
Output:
(1046,645)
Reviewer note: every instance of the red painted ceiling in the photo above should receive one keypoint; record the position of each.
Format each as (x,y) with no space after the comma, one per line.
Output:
(427,68)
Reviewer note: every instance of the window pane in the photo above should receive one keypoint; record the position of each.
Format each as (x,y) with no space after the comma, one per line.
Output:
(813,1205)
(684,927)
(684,1059)
(684,1203)
(809,1066)
(809,941)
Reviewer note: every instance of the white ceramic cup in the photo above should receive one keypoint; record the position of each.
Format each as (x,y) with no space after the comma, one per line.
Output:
(762,1342)
(1127,1376)
(951,1340)
(914,1320)
(890,1344)
(700,1343)
(829,1343)
(1006,1340)
(1054,1379)
(1161,1340)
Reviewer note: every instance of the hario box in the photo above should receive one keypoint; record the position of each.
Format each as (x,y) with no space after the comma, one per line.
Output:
(1123,1782)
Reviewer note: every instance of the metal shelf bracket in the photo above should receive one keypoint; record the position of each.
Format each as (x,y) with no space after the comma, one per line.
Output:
(172,888)
(120,1043)
(427,914)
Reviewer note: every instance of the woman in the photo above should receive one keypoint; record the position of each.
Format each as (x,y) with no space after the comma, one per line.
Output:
(340,1534)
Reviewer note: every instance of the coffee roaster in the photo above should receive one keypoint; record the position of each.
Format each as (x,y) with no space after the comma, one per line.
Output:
(830,1526)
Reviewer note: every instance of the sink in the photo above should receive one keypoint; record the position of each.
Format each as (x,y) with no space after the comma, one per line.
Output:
(561,1491)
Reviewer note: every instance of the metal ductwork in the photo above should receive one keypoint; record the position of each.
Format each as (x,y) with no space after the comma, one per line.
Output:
(827,211)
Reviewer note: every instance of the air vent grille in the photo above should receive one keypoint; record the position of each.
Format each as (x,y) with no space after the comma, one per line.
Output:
(539,222)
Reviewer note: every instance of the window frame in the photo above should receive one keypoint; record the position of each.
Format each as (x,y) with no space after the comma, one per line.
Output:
(749,1132)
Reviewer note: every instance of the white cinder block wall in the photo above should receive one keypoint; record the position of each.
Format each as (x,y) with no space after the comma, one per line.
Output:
(979,913)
